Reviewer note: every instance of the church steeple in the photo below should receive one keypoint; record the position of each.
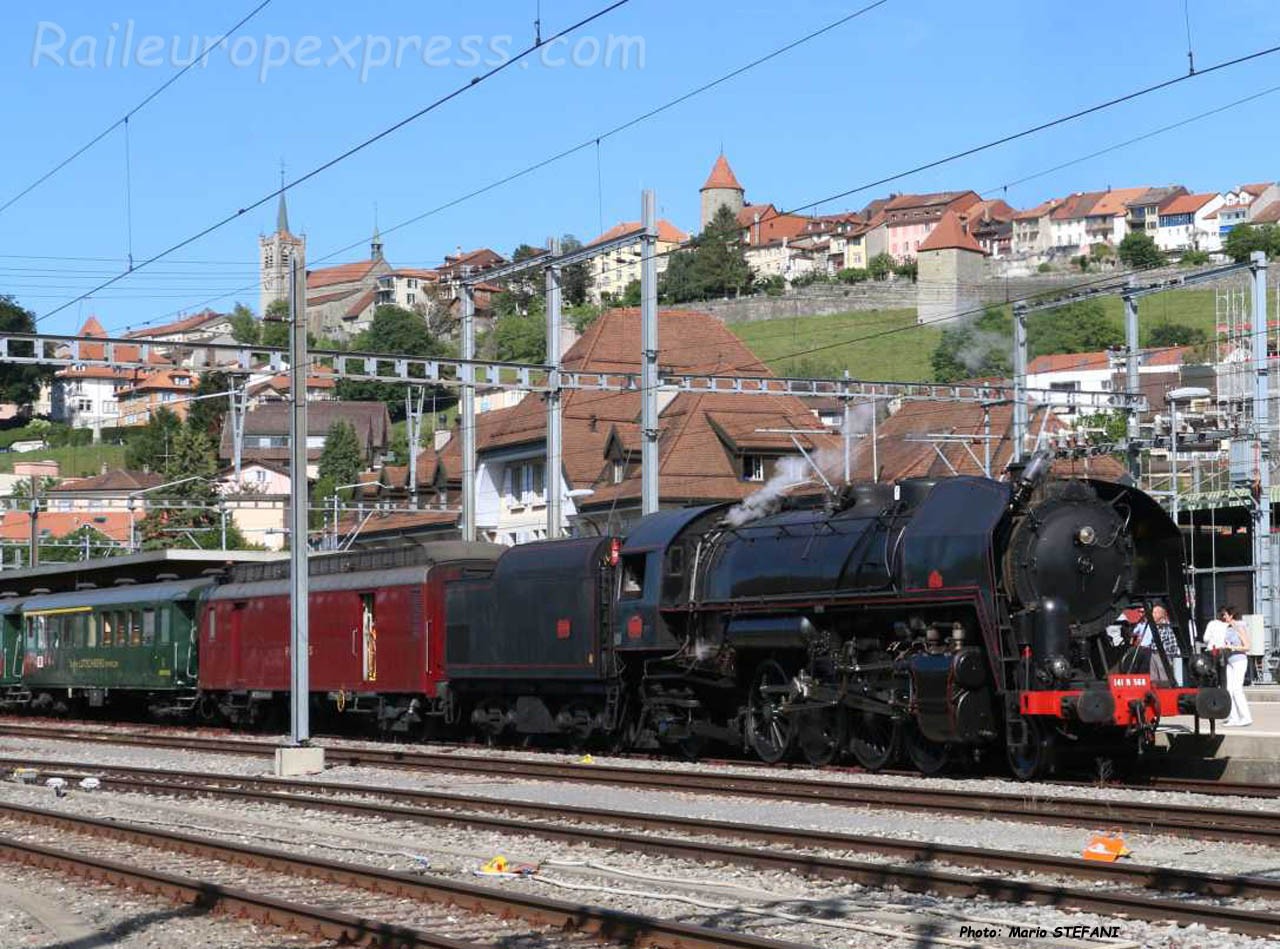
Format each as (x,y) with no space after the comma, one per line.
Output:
(375,244)
(276,253)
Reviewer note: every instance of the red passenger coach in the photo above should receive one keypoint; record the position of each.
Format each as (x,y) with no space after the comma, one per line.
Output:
(376,635)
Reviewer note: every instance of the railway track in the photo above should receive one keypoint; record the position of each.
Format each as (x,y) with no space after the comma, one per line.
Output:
(558,916)
(807,852)
(53,728)
(1203,823)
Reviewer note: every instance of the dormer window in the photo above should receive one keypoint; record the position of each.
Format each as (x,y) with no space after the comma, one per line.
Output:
(752,467)
(619,471)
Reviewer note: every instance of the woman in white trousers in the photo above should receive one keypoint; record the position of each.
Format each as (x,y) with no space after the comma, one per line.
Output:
(1237,649)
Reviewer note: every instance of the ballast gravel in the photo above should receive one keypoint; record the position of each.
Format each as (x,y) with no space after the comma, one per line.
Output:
(40,909)
(770,904)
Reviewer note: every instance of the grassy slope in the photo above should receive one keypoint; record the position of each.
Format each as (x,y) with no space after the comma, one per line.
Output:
(904,354)
(73,462)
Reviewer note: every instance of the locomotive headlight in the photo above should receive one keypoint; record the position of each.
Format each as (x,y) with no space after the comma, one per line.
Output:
(1086,536)
(1059,668)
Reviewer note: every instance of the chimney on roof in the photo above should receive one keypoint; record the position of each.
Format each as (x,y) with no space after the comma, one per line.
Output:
(964,223)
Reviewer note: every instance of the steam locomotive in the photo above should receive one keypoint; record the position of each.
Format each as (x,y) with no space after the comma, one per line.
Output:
(931,619)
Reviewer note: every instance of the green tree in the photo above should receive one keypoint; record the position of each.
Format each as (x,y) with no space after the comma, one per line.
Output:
(909,269)
(1080,327)
(880,266)
(245,327)
(83,543)
(1139,251)
(1244,239)
(342,459)
(1104,429)
(720,260)
(1101,250)
(397,331)
(1194,258)
(526,252)
(679,283)
(517,338)
(206,414)
(975,349)
(20,384)
(151,448)
(575,280)
(1176,334)
(187,513)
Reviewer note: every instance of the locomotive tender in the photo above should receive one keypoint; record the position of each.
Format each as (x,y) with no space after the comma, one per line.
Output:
(936,619)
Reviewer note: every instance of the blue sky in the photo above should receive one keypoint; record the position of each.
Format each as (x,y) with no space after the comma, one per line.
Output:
(907,82)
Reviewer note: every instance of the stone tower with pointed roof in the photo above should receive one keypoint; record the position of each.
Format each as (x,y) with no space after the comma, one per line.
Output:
(722,190)
(275,252)
(951,267)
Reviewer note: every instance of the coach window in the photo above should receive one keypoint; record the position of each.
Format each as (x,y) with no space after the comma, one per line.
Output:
(135,628)
(91,630)
(108,629)
(55,631)
(148,627)
(79,630)
(166,633)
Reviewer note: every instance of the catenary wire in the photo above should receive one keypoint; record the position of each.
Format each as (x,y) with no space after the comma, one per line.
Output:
(133,111)
(593,142)
(353,150)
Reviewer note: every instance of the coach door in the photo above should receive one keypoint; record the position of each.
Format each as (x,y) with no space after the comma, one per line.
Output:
(368,638)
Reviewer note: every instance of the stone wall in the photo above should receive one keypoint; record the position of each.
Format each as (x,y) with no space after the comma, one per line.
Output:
(901,294)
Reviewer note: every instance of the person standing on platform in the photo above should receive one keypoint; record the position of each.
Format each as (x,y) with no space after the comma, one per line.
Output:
(1144,637)
(1236,646)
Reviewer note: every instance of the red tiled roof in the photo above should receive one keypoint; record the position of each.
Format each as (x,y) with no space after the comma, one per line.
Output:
(703,434)
(1077,205)
(16,525)
(361,304)
(1187,203)
(949,234)
(1066,362)
(1268,215)
(1256,189)
(342,273)
(991,209)
(907,201)
(668,233)
(904,450)
(1112,202)
(395,522)
(772,225)
(180,326)
(164,380)
(722,176)
(1039,211)
(117,480)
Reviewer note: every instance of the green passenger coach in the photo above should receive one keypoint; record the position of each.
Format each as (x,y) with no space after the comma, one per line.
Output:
(119,646)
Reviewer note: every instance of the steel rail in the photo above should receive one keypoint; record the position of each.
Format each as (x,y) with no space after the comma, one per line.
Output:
(612,925)
(213,897)
(467,810)
(1111,901)
(1194,822)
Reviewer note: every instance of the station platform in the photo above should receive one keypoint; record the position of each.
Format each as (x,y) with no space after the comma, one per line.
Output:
(1233,754)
